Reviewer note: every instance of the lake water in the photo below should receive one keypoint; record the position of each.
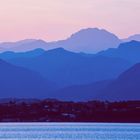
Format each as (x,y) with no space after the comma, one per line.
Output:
(69,131)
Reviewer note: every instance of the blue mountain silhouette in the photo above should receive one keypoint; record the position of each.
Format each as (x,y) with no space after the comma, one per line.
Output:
(129,51)
(80,76)
(67,68)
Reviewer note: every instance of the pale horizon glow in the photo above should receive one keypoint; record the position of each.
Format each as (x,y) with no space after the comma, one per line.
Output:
(58,19)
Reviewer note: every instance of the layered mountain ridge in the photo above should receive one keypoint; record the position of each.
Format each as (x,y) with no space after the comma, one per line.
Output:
(70,69)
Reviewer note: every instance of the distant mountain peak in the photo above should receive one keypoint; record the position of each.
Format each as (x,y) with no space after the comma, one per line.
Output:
(89,40)
(91,31)
(87,30)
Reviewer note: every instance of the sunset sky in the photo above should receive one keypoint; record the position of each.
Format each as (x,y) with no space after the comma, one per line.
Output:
(57,19)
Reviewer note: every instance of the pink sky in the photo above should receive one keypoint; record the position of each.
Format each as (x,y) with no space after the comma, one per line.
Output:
(57,19)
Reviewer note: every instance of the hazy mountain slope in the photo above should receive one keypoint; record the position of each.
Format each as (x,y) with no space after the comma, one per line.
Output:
(81,92)
(125,87)
(17,82)
(88,40)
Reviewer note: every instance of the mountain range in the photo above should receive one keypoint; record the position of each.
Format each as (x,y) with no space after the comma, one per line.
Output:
(79,76)
(91,64)
(85,40)
(68,68)
(90,40)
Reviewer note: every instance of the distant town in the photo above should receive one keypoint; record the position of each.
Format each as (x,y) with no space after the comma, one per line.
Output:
(51,110)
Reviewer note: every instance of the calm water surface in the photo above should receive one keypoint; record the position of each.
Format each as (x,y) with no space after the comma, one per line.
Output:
(69,131)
